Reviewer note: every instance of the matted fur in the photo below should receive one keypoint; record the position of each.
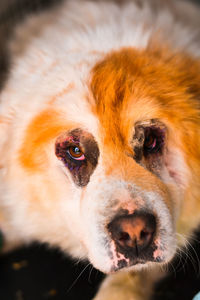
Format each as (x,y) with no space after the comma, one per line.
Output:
(95,73)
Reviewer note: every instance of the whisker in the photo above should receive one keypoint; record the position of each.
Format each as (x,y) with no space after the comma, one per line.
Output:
(90,273)
(188,246)
(196,268)
(75,281)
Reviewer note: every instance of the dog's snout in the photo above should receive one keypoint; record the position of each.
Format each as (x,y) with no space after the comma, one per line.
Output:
(135,231)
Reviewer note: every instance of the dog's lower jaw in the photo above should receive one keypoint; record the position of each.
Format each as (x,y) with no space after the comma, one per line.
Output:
(125,285)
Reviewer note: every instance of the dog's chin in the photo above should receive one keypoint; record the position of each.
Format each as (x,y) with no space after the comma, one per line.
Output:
(138,266)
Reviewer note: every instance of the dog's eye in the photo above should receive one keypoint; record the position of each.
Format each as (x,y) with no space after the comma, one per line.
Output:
(150,143)
(76,153)
(153,141)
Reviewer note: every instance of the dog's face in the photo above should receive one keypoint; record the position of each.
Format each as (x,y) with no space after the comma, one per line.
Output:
(106,165)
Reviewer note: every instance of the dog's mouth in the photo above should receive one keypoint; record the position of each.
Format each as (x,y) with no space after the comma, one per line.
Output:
(124,264)
(132,257)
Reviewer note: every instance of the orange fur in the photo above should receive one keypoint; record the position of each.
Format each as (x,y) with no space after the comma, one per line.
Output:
(136,85)
(132,85)
(42,130)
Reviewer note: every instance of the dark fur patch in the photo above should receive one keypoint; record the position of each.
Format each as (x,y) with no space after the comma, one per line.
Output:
(150,159)
(122,264)
(137,143)
(81,170)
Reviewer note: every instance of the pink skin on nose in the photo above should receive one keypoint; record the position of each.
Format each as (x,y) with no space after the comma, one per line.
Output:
(117,256)
(158,252)
(130,205)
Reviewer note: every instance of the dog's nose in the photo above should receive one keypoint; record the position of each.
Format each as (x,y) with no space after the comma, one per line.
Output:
(133,231)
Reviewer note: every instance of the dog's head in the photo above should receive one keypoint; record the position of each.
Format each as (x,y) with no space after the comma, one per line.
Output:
(107,168)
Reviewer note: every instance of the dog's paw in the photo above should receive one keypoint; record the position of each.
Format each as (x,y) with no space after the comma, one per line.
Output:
(116,294)
(121,287)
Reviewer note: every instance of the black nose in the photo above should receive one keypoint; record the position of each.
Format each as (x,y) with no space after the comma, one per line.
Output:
(133,232)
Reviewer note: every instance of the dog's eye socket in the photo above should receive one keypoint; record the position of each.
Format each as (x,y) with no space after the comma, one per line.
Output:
(76,153)
(150,143)
(153,141)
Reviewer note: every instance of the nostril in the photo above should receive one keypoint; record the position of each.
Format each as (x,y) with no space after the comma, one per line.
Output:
(125,240)
(124,236)
(145,235)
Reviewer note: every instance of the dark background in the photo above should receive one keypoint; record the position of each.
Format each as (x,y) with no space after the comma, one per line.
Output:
(37,272)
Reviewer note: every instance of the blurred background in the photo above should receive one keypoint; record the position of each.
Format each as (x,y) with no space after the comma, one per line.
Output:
(37,272)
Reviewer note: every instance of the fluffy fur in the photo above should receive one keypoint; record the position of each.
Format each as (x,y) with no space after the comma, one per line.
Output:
(107,70)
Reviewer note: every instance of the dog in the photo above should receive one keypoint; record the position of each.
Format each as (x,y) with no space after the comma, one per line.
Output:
(100,136)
